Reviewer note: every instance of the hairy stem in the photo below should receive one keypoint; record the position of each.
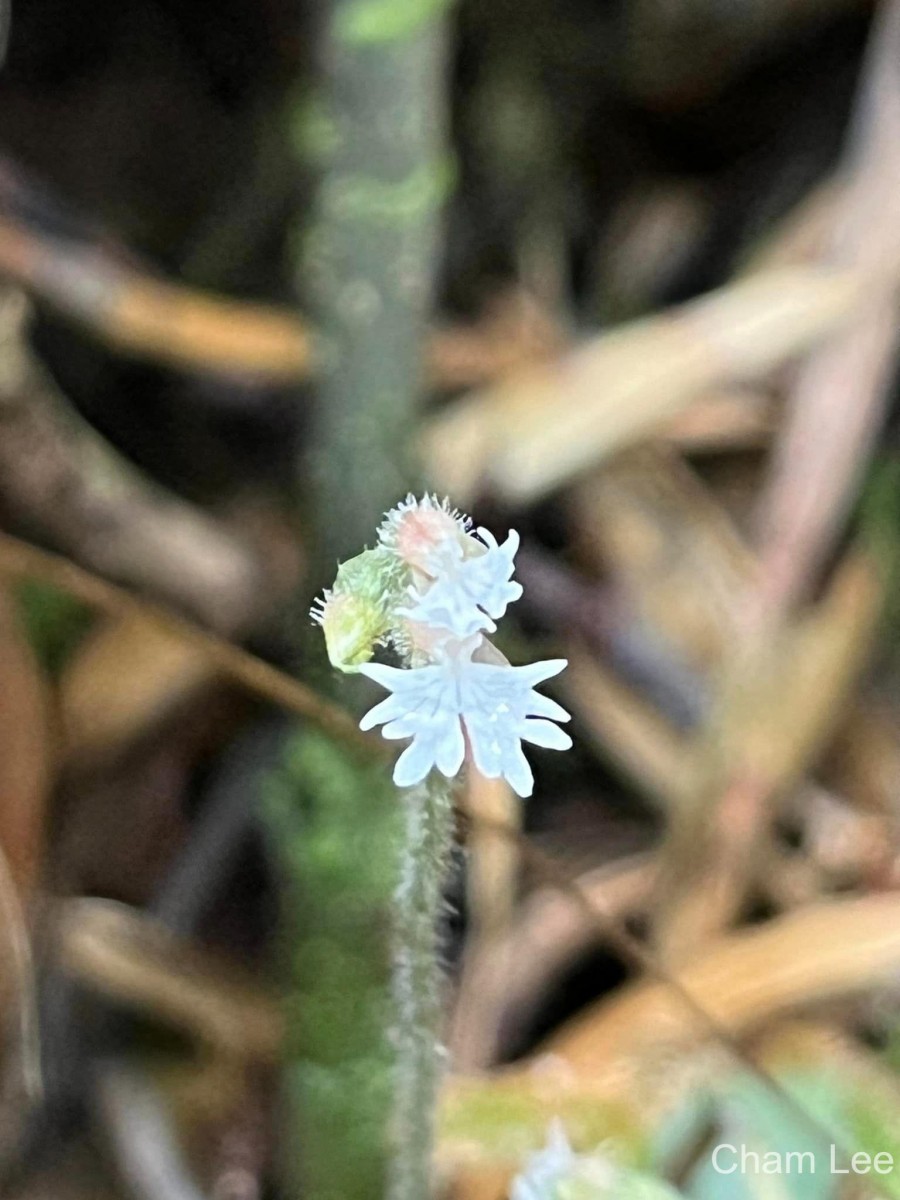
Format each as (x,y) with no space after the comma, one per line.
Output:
(428,818)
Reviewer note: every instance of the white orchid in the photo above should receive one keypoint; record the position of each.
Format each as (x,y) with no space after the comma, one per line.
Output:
(457,702)
(545,1168)
(467,592)
(457,698)
(558,1173)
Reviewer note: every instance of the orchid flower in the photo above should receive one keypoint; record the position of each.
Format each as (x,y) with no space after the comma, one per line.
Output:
(557,1173)
(458,701)
(467,592)
(439,591)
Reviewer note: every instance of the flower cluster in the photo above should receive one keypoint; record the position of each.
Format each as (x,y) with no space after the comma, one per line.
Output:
(432,589)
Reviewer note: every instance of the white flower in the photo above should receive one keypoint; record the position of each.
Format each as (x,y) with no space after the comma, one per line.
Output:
(455,701)
(546,1168)
(558,1173)
(468,590)
(431,589)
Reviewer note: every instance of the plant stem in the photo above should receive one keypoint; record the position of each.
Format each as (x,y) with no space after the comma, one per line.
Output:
(371,255)
(428,820)
(335,825)
(361,1066)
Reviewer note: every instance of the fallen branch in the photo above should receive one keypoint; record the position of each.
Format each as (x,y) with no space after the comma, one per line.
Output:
(60,478)
(535,431)
(18,560)
(838,401)
(138,964)
(155,319)
(777,707)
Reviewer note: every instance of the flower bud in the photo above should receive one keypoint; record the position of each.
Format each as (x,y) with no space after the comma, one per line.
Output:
(421,532)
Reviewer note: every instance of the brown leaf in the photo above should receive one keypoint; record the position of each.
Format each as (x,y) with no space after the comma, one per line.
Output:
(633,1053)
(136,963)
(647,519)
(825,952)
(535,431)
(126,680)
(782,692)
(628,731)
(27,751)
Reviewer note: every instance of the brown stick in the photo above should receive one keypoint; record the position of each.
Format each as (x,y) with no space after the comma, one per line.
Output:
(18,560)
(132,960)
(539,428)
(838,401)
(59,477)
(151,318)
(780,700)
(164,322)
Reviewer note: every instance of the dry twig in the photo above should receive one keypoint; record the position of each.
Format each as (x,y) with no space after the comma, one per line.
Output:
(18,560)
(541,427)
(838,401)
(137,963)
(59,477)
(167,323)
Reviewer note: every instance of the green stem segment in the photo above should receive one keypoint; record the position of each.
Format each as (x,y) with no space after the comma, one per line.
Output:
(362,1050)
(372,253)
(335,825)
(428,831)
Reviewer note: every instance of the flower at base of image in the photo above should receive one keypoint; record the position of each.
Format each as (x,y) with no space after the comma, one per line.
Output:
(431,590)
(557,1173)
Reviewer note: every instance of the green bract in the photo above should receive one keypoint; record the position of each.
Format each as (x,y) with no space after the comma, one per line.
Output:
(358,612)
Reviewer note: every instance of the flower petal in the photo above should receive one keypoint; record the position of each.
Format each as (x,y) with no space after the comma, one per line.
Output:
(444,607)
(407,725)
(486,749)
(544,733)
(414,763)
(517,773)
(543,706)
(535,673)
(388,677)
(387,710)
(451,750)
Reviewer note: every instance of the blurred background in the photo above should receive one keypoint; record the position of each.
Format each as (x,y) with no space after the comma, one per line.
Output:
(631,291)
